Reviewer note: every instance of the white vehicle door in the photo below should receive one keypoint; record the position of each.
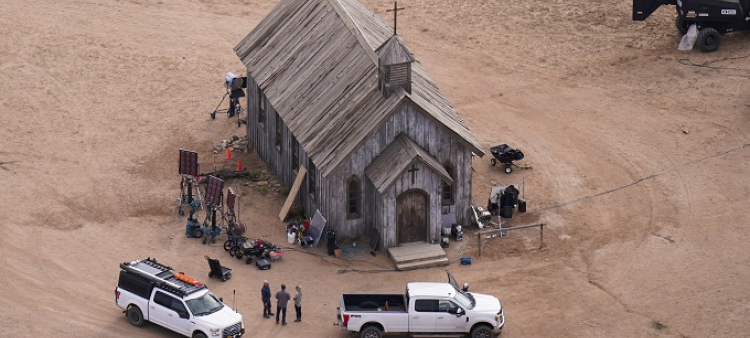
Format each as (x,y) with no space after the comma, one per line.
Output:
(424,316)
(179,321)
(165,310)
(158,308)
(451,317)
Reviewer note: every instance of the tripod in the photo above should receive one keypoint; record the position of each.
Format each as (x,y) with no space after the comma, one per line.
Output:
(213,230)
(235,107)
(213,113)
(187,183)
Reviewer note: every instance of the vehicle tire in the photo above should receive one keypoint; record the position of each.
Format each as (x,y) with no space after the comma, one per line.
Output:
(234,251)
(227,245)
(199,335)
(197,233)
(204,240)
(210,274)
(508,169)
(681,24)
(481,331)
(135,316)
(213,116)
(180,212)
(371,331)
(239,254)
(709,39)
(224,278)
(249,261)
(493,162)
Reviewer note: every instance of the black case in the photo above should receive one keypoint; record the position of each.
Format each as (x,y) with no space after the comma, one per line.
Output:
(262,264)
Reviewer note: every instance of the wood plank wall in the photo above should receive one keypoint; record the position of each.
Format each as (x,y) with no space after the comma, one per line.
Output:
(424,131)
(330,196)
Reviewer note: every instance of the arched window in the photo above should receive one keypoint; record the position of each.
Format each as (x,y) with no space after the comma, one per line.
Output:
(261,109)
(278,133)
(311,175)
(353,198)
(447,195)
(295,154)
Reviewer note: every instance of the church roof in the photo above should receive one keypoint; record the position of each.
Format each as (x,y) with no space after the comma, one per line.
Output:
(315,61)
(393,51)
(396,159)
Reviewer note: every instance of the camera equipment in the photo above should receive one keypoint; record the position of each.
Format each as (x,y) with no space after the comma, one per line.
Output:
(188,169)
(234,89)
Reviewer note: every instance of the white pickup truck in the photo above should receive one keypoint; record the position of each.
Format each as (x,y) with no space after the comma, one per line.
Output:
(427,309)
(149,291)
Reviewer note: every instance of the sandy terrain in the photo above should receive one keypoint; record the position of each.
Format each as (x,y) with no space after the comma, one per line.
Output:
(640,165)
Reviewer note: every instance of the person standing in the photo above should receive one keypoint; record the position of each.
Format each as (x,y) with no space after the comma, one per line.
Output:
(298,303)
(282,298)
(265,294)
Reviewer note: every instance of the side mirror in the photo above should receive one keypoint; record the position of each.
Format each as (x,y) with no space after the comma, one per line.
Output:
(221,299)
(184,315)
(459,312)
(465,288)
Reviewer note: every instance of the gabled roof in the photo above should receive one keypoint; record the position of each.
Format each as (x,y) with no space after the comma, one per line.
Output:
(396,159)
(315,61)
(393,51)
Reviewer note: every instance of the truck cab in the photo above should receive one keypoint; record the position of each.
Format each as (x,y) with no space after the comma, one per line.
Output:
(151,292)
(426,308)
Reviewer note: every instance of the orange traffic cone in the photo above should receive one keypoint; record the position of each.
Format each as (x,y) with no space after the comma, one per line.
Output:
(239,165)
(229,154)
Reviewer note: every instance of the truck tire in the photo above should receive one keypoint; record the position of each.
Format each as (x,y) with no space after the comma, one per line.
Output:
(199,335)
(481,331)
(709,39)
(371,331)
(135,316)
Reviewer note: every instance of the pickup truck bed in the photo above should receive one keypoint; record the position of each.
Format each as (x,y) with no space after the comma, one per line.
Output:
(374,302)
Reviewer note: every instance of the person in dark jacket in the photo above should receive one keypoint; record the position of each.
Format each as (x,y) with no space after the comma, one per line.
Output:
(265,294)
(282,298)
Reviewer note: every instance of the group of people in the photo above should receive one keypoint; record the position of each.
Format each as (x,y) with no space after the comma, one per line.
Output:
(282,299)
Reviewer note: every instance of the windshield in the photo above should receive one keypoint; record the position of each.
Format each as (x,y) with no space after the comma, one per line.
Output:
(205,305)
(465,299)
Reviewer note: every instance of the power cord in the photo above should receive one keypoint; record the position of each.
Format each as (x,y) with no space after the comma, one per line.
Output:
(687,62)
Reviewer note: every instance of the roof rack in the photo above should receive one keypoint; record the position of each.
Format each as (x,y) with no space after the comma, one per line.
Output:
(162,276)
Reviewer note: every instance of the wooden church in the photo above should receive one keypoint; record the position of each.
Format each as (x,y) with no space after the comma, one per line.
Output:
(333,89)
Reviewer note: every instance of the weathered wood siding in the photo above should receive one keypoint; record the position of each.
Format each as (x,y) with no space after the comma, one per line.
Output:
(426,180)
(263,139)
(428,134)
(372,203)
(378,211)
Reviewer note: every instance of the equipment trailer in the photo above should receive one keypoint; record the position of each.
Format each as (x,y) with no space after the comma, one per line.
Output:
(713,18)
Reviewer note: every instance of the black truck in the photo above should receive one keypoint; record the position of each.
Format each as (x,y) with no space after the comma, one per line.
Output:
(713,18)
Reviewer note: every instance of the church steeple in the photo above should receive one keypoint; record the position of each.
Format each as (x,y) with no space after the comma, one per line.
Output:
(394,65)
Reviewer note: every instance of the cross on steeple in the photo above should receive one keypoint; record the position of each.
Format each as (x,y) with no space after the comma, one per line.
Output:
(395,14)
(413,170)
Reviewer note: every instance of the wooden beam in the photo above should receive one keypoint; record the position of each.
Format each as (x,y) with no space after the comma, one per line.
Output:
(293,193)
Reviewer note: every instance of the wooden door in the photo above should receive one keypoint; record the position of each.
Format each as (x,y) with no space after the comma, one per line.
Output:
(412,216)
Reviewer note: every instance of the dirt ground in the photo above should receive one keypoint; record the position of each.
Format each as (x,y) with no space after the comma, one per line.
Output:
(640,165)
